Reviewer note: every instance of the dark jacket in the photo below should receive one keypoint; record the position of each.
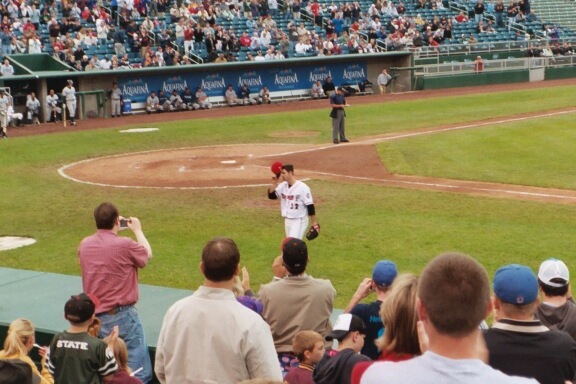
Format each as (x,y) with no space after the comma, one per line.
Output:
(337,369)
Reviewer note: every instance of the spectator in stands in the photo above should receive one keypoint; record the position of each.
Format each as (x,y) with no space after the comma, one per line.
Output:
(336,366)
(453,299)
(518,344)
(152,103)
(110,266)
(18,343)
(119,41)
(499,13)
(169,56)
(383,275)
(478,64)
(202,99)
(6,39)
(7,70)
(531,17)
(557,309)
(512,12)
(479,9)
(96,362)
(245,40)
(302,48)
(398,313)
(123,374)
(209,336)
(220,59)
(296,302)
(308,347)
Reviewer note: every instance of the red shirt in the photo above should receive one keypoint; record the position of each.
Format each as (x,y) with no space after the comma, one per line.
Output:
(361,367)
(315,9)
(302,374)
(109,266)
(122,377)
(245,41)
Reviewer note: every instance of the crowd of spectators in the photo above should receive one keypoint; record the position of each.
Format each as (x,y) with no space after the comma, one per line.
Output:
(146,33)
(418,329)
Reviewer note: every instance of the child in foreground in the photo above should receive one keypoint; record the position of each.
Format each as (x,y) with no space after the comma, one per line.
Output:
(308,346)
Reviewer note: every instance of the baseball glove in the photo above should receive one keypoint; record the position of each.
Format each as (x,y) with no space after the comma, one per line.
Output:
(276,168)
(313,232)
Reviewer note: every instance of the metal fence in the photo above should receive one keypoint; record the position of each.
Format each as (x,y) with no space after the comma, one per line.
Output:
(453,67)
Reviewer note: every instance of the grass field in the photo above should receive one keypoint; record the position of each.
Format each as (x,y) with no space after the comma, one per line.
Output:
(361,223)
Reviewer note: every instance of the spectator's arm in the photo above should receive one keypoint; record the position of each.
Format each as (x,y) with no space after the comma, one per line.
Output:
(364,289)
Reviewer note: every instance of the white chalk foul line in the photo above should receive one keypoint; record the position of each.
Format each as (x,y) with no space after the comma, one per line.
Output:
(446,185)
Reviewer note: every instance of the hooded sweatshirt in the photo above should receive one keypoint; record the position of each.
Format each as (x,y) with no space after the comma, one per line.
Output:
(561,318)
(337,369)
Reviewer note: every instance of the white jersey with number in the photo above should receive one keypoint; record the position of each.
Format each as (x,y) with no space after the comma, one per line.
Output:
(294,199)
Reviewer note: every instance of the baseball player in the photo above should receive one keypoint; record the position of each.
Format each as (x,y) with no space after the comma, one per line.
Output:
(3,113)
(33,109)
(116,96)
(69,94)
(52,101)
(152,103)
(296,203)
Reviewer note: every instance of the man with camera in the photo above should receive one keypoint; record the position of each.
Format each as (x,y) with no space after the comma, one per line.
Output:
(383,276)
(110,266)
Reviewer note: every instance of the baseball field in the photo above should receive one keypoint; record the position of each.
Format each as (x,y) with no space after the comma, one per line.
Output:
(486,172)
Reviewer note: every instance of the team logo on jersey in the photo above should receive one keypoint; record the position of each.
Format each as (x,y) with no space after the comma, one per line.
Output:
(290,197)
(283,196)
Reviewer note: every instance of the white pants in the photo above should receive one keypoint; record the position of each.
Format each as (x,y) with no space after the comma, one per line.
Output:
(188,46)
(296,227)
(71,106)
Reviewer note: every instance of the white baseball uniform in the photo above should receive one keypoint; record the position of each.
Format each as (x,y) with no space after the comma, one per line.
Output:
(69,95)
(293,206)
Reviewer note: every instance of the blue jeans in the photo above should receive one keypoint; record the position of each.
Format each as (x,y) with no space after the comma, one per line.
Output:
(132,332)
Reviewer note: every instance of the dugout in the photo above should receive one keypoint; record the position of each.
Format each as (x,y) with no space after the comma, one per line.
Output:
(40,73)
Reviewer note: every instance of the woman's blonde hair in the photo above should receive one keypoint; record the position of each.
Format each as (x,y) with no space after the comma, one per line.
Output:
(121,355)
(399,315)
(19,333)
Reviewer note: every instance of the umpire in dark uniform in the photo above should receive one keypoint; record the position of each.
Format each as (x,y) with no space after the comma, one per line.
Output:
(338,115)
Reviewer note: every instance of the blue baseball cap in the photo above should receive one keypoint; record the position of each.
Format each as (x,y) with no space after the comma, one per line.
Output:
(516,284)
(384,273)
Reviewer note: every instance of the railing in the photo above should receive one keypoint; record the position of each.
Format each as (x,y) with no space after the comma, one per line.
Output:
(495,47)
(449,69)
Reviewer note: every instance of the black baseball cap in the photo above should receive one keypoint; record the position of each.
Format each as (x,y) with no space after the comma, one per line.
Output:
(294,253)
(80,308)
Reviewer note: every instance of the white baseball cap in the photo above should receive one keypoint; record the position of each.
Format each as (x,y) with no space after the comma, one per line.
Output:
(554,272)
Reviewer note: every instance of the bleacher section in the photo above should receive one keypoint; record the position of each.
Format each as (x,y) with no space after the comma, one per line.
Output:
(561,13)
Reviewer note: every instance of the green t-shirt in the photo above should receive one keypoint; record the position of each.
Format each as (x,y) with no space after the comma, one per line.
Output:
(79,358)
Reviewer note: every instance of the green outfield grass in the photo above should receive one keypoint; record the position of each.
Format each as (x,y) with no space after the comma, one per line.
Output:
(361,223)
(537,152)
